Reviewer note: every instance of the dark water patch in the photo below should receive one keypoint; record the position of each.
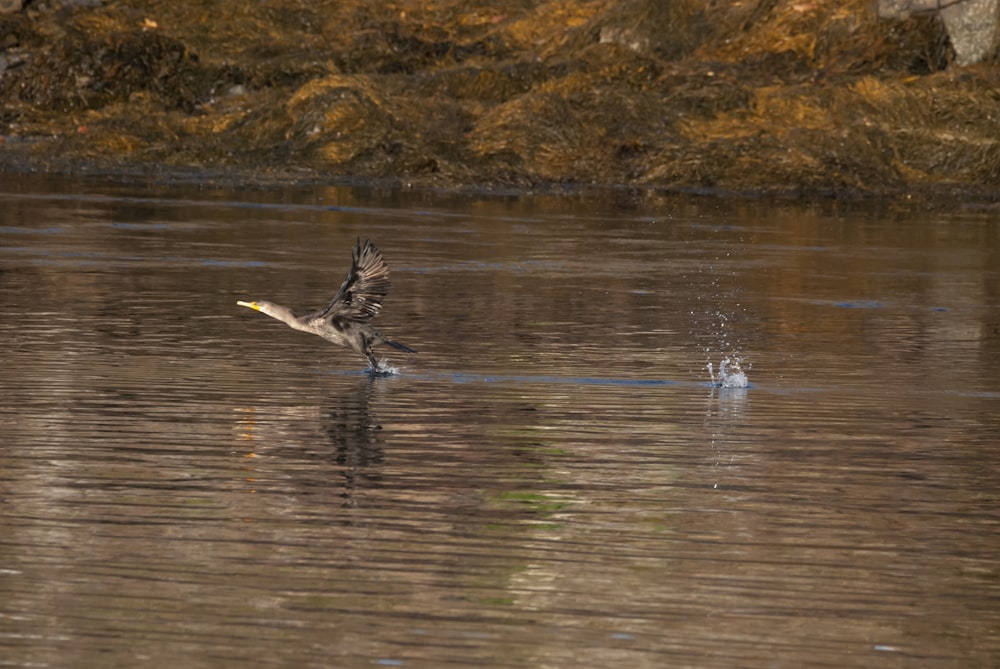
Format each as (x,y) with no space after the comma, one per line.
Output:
(863,304)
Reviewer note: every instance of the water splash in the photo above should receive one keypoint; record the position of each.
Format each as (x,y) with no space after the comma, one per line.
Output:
(731,374)
(384,369)
(732,367)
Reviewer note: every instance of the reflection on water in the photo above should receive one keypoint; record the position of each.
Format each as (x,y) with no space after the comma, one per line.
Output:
(556,479)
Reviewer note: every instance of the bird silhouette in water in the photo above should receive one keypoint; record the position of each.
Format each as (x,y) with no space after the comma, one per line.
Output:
(346,320)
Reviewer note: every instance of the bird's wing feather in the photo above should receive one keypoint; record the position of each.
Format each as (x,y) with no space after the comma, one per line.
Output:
(367,283)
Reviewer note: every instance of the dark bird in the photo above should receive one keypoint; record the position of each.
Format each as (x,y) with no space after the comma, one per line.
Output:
(346,319)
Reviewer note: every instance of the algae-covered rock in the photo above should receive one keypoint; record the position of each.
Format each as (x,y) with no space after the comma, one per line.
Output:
(765,95)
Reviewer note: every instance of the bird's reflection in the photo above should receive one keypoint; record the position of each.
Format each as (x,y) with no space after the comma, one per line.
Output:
(307,447)
(356,437)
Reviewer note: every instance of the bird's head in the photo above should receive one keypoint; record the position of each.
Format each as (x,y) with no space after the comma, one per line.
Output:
(270,309)
(265,307)
(256,306)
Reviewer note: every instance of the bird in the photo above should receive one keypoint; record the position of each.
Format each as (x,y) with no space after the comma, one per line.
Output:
(346,320)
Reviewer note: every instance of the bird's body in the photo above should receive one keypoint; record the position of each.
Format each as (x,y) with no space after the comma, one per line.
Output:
(345,321)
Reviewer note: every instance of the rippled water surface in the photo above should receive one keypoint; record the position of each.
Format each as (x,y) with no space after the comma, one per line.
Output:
(551,482)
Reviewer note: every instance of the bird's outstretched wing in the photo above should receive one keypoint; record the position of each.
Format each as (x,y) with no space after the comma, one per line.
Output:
(367,282)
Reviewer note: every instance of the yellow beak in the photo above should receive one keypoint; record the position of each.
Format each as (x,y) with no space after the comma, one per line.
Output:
(252,305)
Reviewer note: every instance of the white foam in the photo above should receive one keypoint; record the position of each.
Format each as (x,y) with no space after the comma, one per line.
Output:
(385,369)
(731,374)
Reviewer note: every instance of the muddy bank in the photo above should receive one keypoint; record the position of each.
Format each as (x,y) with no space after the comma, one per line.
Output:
(763,95)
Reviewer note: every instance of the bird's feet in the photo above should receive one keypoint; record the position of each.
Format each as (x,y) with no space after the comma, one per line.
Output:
(381,368)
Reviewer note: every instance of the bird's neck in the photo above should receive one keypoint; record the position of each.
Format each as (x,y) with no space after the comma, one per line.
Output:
(285,315)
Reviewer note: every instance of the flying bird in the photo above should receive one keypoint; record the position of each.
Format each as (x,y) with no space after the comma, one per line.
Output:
(346,320)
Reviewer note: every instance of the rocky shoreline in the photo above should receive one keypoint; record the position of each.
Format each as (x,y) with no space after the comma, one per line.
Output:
(762,96)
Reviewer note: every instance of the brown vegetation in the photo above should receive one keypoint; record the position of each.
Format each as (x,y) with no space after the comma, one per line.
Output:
(760,95)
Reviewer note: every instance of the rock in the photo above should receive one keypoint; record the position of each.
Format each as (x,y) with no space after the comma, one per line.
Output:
(971,24)
(972,28)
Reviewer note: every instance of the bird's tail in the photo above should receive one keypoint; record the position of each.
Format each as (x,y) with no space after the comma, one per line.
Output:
(399,347)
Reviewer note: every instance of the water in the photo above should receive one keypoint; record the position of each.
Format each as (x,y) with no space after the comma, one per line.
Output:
(557,478)
(731,374)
